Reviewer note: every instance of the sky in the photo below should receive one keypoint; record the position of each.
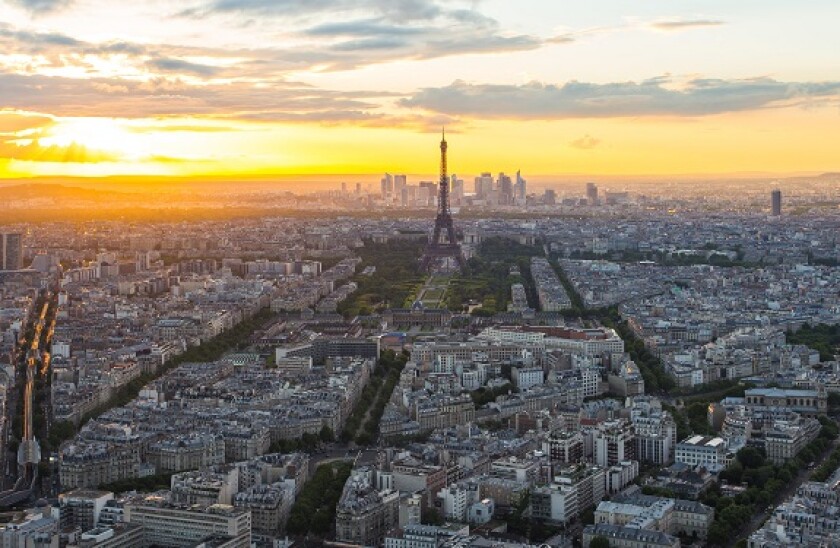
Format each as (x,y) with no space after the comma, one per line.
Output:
(551,87)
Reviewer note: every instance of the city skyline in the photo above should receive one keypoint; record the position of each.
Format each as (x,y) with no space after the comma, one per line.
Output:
(253,88)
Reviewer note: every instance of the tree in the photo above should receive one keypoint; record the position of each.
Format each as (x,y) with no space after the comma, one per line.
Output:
(750,457)
(430,516)
(599,542)
(326,434)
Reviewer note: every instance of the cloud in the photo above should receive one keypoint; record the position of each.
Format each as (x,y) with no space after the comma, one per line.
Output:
(324,47)
(397,10)
(364,32)
(165,64)
(15,39)
(16,121)
(33,151)
(383,43)
(163,97)
(685,24)
(362,27)
(20,133)
(561,39)
(41,6)
(586,142)
(699,97)
(188,128)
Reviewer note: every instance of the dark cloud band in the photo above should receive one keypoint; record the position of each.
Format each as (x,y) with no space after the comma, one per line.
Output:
(585,100)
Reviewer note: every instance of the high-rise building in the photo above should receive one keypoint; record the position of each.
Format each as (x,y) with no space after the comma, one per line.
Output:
(484,185)
(592,193)
(386,185)
(11,251)
(431,193)
(776,203)
(400,183)
(505,187)
(550,197)
(520,191)
(456,193)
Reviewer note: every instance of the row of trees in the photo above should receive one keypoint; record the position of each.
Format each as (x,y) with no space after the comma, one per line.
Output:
(578,307)
(655,376)
(235,338)
(314,509)
(210,350)
(363,423)
(306,443)
(830,465)
(146,484)
(764,482)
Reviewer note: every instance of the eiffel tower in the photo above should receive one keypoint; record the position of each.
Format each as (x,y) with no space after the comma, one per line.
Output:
(443,248)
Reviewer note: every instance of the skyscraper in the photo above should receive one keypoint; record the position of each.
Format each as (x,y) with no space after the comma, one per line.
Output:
(387,186)
(592,193)
(505,187)
(456,192)
(776,203)
(484,185)
(520,191)
(11,251)
(400,182)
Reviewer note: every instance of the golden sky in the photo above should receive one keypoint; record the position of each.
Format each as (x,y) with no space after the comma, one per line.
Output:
(551,87)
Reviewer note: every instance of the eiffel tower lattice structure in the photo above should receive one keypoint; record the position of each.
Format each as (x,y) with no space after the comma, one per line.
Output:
(443,248)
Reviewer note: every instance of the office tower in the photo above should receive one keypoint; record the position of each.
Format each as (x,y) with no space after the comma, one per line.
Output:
(520,191)
(457,190)
(423,194)
(428,197)
(550,197)
(592,193)
(358,188)
(776,202)
(505,188)
(484,185)
(344,188)
(387,185)
(11,251)
(400,183)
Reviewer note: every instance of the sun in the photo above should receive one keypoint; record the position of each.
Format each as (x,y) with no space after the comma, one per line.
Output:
(106,135)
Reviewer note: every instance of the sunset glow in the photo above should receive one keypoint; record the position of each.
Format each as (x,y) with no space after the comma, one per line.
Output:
(94,88)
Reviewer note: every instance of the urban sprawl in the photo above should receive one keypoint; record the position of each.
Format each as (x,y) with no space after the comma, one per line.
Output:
(600,369)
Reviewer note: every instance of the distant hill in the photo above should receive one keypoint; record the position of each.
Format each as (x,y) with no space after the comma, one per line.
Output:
(47,191)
